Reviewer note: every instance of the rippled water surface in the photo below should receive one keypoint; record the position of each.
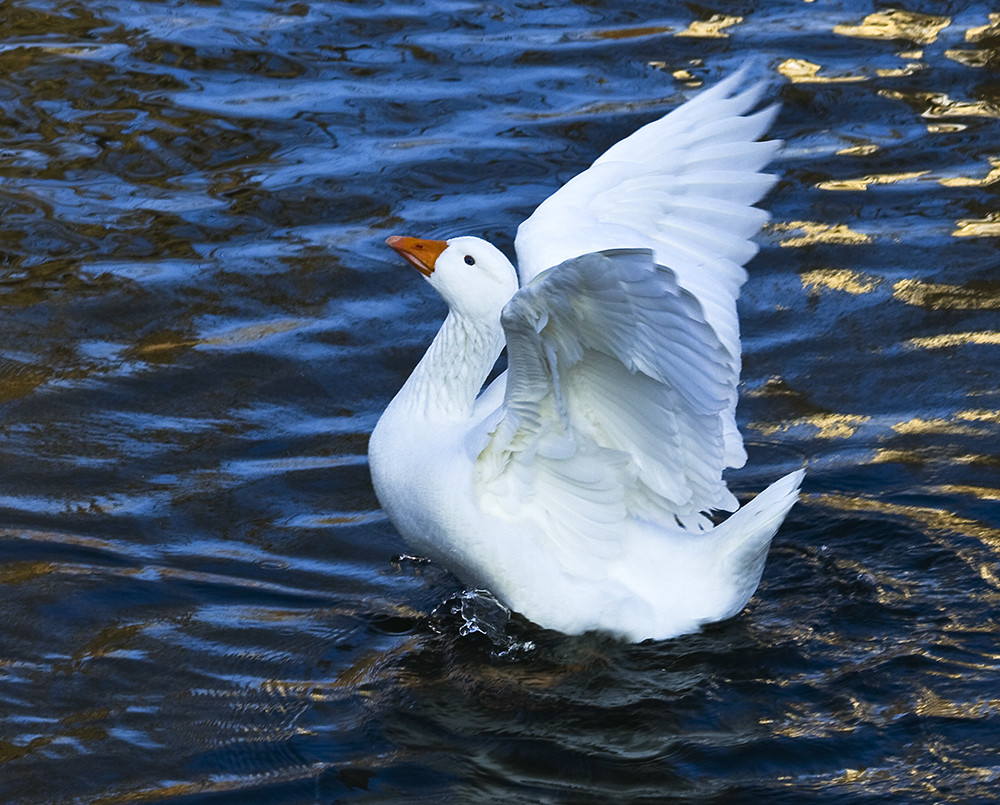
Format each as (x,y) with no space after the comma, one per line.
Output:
(200,600)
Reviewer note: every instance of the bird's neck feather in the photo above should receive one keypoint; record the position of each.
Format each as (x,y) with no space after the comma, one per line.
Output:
(449,377)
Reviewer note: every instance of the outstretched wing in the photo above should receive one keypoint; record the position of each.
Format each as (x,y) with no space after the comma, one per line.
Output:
(682,186)
(615,405)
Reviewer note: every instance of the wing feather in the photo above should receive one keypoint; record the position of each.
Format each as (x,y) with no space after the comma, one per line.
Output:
(616,404)
(683,186)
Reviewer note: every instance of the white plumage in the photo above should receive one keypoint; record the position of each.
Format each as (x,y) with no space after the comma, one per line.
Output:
(576,487)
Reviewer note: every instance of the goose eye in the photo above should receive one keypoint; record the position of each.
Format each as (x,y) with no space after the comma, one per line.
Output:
(470,260)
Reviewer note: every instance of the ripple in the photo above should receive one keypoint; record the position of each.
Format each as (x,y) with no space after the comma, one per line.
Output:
(201,597)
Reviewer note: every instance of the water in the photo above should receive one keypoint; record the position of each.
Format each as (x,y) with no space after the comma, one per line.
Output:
(200,600)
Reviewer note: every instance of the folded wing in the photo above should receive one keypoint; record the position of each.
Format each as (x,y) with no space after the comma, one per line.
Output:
(617,397)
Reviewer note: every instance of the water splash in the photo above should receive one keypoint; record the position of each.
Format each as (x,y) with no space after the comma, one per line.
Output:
(485,622)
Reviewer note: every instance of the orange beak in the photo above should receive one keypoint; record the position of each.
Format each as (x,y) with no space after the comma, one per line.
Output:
(422,254)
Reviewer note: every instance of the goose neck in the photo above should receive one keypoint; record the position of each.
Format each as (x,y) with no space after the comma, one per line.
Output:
(451,374)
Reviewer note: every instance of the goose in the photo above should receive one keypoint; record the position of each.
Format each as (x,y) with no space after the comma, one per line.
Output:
(583,487)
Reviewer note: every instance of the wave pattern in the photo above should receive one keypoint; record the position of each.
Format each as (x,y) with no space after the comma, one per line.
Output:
(200,600)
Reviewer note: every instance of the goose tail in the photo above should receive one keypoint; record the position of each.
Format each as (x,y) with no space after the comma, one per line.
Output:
(747,536)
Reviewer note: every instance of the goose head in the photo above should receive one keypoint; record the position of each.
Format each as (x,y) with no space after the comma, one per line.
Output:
(472,275)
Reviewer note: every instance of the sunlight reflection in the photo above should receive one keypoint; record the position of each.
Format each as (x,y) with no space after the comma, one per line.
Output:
(800,71)
(980,492)
(917,425)
(865,181)
(988,227)
(968,181)
(712,28)
(930,455)
(860,150)
(817,232)
(934,296)
(899,72)
(940,105)
(940,520)
(827,425)
(982,337)
(970,58)
(984,32)
(840,279)
(897,24)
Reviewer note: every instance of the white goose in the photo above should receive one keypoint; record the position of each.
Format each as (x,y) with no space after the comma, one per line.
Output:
(576,486)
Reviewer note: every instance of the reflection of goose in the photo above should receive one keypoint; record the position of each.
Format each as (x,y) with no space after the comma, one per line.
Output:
(576,487)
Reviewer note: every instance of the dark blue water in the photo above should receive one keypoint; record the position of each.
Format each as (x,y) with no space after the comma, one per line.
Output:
(200,601)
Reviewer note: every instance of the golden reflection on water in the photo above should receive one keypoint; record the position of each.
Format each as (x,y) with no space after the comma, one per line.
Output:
(980,415)
(814,232)
(340,520)
(712,28)
(968,181)
(827,425)
(931,704)
(981,337)
(988,227)
(864,182)
(860,150)
(897,24)
(110,641)
(936,105)
(12,573)
(927,516)
(687,77)
(937,524)
(980,492)
(917,425)
(683,75)
(801,71)
(988,31)
(945,128)
(839,279)
(898,72)
(971,423)
(908,777)
(919,456)
(360,679)
(935,296)
(970,58)
(985,56)
(940,105)
(19,379)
